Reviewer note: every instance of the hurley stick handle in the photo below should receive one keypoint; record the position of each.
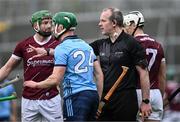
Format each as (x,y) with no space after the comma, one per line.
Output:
(13,96)
(118,81)
(17,78)
(110,92)
(171,97)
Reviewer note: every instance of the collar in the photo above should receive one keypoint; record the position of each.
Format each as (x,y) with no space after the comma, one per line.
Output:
(141,35)
(70,37)
(119,37)
(43,42)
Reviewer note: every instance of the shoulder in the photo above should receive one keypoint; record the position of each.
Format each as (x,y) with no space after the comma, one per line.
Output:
(63,47)
(152,42)
(102,40)
(24,42)
(99,42)
(126,37)
(129,40)
(54,42)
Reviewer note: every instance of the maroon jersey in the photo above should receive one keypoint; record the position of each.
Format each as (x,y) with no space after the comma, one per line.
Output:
(154,55)
(36,69)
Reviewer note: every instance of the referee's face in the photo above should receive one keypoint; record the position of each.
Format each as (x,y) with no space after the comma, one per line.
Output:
(105,24)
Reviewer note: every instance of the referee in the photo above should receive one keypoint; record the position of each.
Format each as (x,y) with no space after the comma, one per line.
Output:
(121,49)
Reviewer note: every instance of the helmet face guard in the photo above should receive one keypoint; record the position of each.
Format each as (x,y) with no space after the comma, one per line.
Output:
(66,19)
(38,17)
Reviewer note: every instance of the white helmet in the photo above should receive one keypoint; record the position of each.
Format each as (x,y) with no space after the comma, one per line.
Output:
(134,16)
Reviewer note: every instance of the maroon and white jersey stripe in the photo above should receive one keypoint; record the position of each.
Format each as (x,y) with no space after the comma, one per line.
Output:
(154,55)
(36,69)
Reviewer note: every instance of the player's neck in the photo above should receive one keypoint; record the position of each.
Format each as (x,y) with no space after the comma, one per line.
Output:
(68,33)
(138,32)
(40,38)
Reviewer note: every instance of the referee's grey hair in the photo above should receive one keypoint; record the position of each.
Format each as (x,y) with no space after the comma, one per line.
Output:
(116,15)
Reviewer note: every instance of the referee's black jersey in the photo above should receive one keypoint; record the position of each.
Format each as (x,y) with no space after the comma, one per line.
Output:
(125,51)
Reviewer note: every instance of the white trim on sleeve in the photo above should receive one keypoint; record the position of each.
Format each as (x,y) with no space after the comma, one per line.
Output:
(16,57)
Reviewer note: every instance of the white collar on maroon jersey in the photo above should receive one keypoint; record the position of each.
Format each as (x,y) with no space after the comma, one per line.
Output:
(141,35)
(43,42)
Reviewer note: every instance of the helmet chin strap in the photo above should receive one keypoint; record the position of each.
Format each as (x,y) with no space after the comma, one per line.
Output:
(58,35)
(136,26)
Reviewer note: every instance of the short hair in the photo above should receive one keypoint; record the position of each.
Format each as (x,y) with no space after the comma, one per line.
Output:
(116,15)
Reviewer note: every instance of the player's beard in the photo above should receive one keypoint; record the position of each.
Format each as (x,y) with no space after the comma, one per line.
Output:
(45,34)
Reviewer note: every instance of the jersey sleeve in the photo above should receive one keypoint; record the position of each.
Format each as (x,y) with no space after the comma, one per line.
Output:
(161,51)
(95,46)
(138,54)
(18,50)
(60,55)
(94,56)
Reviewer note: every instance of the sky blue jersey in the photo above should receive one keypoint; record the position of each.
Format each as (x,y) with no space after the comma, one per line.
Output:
(78,57)
(5,106)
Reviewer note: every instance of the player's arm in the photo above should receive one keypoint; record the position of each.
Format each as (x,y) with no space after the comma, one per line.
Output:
(8,67)
(53,80)
(40,51)
(144,82)
(145,88)
(13,111)
(162,77)
(99,77)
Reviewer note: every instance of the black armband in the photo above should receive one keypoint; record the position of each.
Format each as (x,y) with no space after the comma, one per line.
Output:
(143,64)
(47,50)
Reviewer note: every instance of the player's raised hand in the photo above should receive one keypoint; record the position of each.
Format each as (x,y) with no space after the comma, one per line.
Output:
(39,50)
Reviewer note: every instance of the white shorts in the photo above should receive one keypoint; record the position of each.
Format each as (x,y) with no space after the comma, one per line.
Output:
(42,110)
(156,104)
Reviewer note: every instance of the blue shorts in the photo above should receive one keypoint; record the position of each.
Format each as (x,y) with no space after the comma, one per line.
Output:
(81,106)
(4,119)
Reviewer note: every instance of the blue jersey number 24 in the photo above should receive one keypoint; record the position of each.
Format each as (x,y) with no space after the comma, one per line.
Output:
(78,67)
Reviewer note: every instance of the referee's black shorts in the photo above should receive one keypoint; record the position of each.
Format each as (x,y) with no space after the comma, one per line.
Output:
(123,106)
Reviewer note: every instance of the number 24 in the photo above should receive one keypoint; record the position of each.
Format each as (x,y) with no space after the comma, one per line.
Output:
(78,68)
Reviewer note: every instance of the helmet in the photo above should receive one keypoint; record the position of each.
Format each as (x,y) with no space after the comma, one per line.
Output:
(66,19)
(40,15)
(134,16)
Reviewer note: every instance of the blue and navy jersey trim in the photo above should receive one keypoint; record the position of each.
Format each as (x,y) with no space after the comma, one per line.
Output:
(95,59)
(60,65)
(70,37)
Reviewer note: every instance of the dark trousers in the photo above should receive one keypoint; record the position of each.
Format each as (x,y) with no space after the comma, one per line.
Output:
(81,106)
(123,106)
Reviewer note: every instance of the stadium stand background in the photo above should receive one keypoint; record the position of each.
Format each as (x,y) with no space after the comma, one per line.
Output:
(162,22)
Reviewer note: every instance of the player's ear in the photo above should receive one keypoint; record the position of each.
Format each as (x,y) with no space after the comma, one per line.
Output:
(60,28)
(114,22)
(133,25)
(35,26)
